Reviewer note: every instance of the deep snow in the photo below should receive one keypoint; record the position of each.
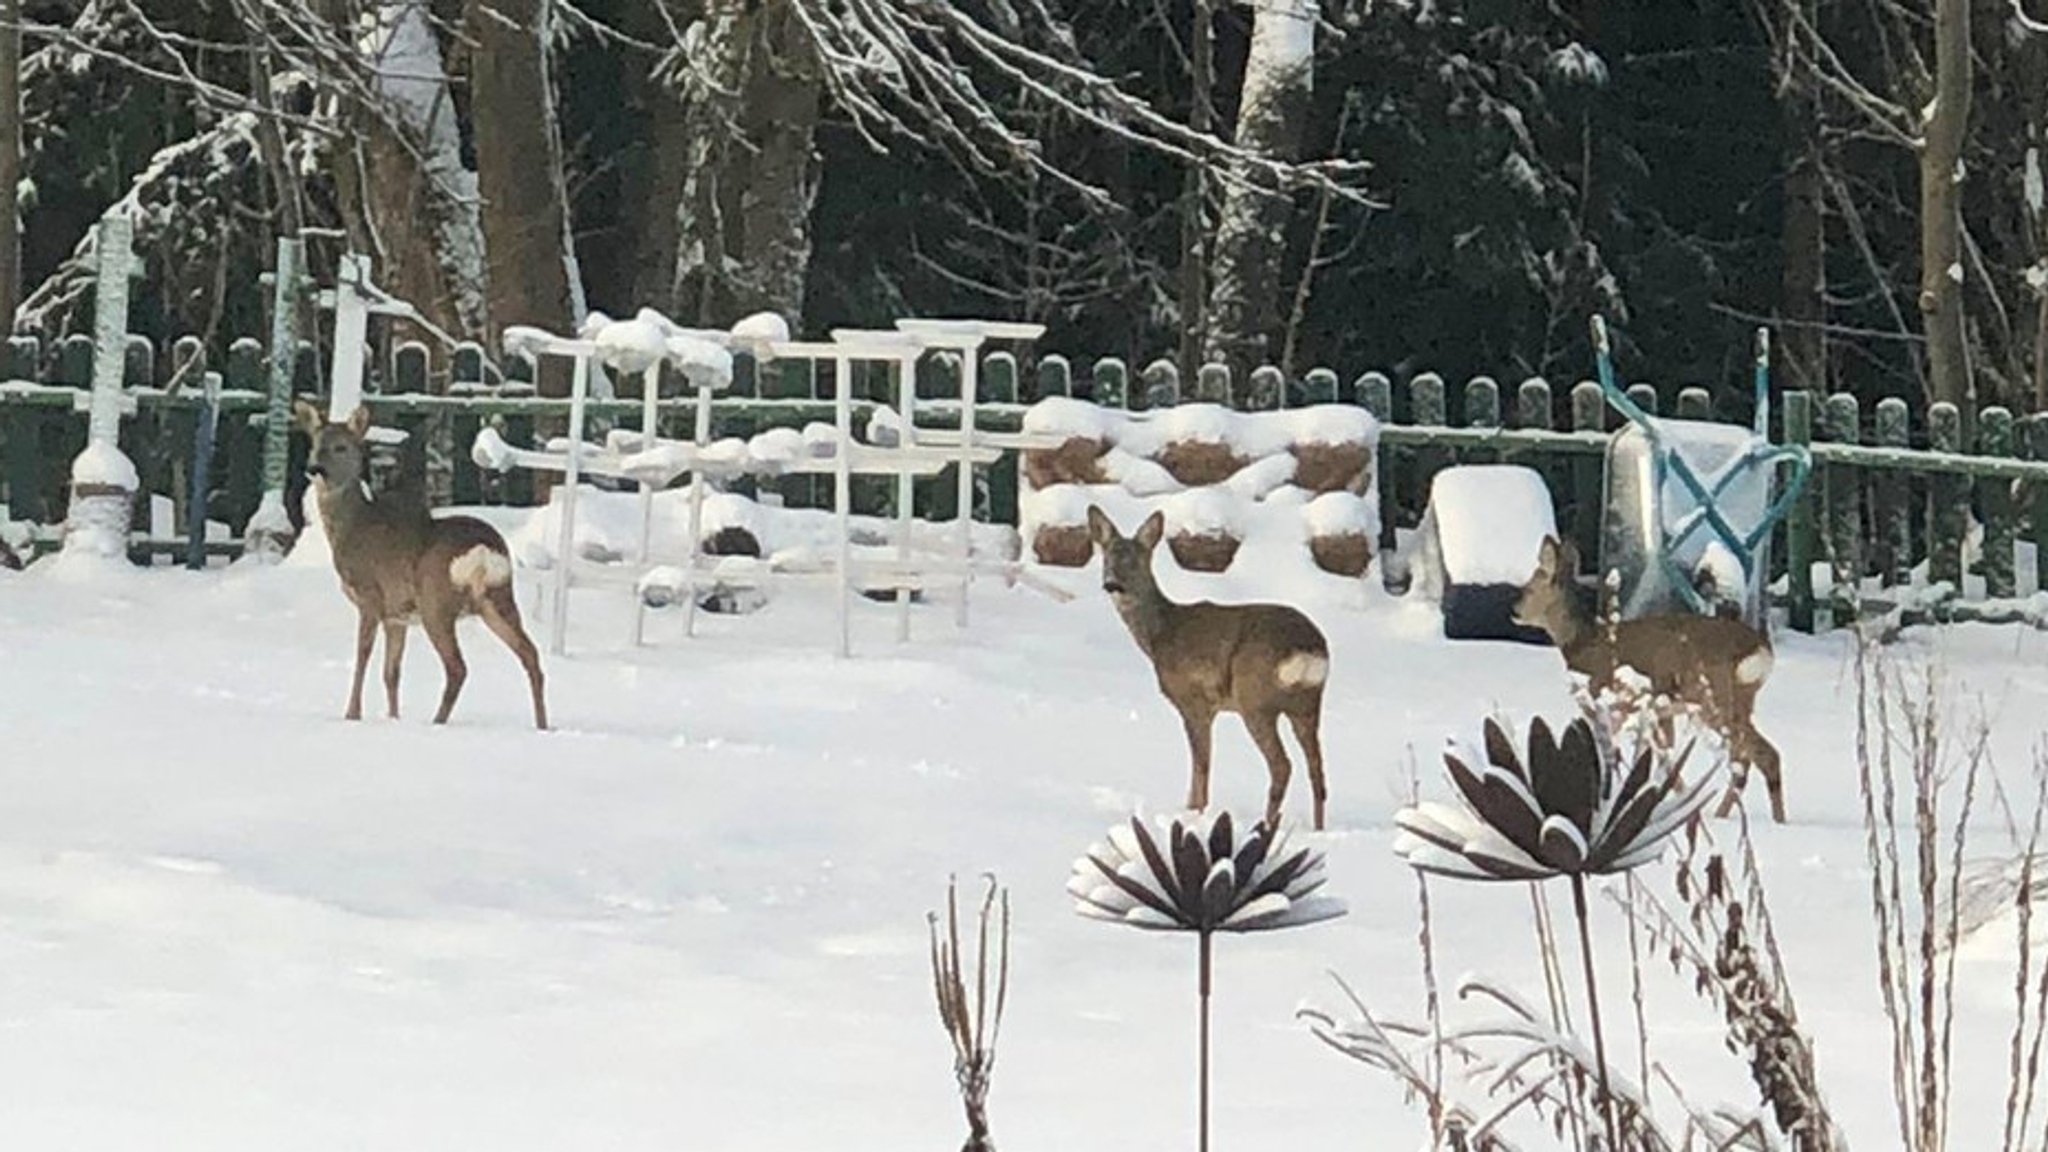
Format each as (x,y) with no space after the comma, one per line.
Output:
(693,916)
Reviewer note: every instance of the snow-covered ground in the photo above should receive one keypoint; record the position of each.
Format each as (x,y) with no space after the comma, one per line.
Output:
(693,917)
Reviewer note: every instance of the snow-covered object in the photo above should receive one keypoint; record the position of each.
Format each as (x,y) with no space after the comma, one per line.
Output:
(1060,506)
(1137,475)
(1571,804)
(311,549)
(1490,522)
(103,465)
(1194,873)
(631,346)
(1063,416)
(1204,512)
(1342,514)
(522,339)
(1641,525)
(703,363)
(1262,476)
(1331,424)
(759,329)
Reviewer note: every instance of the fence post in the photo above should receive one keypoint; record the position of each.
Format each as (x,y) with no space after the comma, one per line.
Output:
(466,380)
(20,357)
(2037,443)
(1994,496)
(1265,390)
(998,385)
(1799,522)
(1212,384)
(1162,384)
(1645,397)
(1948,497)
(1055,377)
(1112,383)
(1893,491)
(1482,402)
(1319,387)
(202,471)
(1695,404)
(1589,414)
(1839,424)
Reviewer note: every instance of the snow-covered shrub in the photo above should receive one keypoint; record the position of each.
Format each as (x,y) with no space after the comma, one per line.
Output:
(1204,528)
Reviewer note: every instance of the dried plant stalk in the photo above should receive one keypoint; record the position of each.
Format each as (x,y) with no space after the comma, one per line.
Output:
(970,1023)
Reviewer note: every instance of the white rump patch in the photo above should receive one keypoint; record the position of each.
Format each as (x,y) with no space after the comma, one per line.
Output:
(479,569)
(1752,669)
(1303,670)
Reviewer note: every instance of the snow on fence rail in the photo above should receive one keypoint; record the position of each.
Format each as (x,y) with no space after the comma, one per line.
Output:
(1906,516)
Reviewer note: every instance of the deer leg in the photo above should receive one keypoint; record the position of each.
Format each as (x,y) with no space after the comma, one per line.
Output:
(441,631)
(394,657)
(1767,762)
(1264,725)
(1201,725)
(366,638)
(1307,724)
(501,615)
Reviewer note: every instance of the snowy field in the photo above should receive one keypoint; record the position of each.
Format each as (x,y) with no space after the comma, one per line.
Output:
(693,917)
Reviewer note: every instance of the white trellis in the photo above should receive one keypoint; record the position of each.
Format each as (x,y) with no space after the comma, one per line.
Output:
(644,458)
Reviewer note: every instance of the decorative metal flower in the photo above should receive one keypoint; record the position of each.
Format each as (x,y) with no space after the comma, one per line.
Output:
(1195,875)
(1570,806)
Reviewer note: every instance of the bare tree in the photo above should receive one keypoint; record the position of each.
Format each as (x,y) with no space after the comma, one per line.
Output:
(525,213)
(1941,208)
(1251,239)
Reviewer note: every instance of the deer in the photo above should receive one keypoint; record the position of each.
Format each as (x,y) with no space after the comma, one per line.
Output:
(1261,661)
(399,565)
(1715,664)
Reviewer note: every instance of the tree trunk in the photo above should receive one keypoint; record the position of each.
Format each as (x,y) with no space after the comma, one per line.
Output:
(743,219)
(518,168)
(1194,269)
(409,200)
(10,162)
(1803,343)
(1251,240)
(1941,176)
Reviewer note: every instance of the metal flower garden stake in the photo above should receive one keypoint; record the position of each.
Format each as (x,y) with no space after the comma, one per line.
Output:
(1193,874)
(1569,806)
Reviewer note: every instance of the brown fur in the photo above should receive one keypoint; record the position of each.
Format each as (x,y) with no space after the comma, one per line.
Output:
(395,560)
(1691,658)
(1213,658)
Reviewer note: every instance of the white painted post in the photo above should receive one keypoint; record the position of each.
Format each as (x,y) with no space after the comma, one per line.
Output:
(701,436)
(969,361)
(351,334)
(650,417)
(842,493)
(906,484)
(268,535)
(103,480)
(565,540)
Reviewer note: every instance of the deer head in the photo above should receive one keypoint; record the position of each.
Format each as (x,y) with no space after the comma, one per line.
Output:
(1126,562)
(338,457)
(1547,600)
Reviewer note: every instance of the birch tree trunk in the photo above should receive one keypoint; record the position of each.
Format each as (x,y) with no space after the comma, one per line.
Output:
(525,219)
(1941,197)
(1251,238)
(10,162)
(1194,234)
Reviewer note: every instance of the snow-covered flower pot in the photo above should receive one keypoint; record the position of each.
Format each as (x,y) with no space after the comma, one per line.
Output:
(1204,529)
(1342,529)
(1333,448)
(1077,460)
(1057,519)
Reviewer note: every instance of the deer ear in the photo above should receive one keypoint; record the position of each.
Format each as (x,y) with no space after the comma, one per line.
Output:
(1100,527)
(307,417)
(1568,558)
(1151,530)
(359,420)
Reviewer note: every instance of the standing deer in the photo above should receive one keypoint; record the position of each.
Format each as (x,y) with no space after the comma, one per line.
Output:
(1714,663)
(399,564)
(1261,661)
